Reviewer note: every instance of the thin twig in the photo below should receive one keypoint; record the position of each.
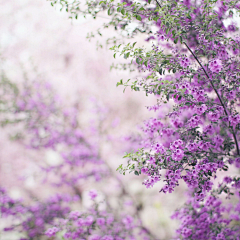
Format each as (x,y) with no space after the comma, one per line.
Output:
(225,110)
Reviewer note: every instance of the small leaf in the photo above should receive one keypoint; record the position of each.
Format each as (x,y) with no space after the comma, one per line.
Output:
(138,18)
(225,168)
(136,173)
(119,168)
(180,37)
(136,88)
(123,11)
(126,55)
(120,82)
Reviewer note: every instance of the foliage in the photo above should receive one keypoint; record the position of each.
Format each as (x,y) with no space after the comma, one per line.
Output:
(193,70)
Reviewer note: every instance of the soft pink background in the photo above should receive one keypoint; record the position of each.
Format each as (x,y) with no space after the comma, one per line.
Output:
(40,42)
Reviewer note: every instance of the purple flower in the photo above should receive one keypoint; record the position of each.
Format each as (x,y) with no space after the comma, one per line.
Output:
(80,222)
(214,116)
(176,144)
(234,120)
(215,65)
(94,237)
(100,221)
(177,155)
(92,194)
(52,231)
(89,220)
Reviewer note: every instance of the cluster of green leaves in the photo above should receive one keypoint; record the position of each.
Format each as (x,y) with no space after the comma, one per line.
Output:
(136,162)
(72,7)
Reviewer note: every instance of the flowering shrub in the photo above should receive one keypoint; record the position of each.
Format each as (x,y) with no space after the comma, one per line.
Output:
(40,123)
(34,219)
(199,135)
(192,68)
(95,224)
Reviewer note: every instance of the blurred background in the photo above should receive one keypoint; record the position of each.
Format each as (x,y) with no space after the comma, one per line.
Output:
(38,42)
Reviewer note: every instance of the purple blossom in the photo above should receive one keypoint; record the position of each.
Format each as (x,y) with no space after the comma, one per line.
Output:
(215,65)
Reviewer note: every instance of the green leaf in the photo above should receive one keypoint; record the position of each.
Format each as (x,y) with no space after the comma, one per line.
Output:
(123,11)
(149,1)
(134,44)
(175,40)
(138,18)
(120,82)
(119,168)
(180,37)
(126,55)
(136,88)
(225,168)
(138,61)
(159,88)
(136,173)
(109,11)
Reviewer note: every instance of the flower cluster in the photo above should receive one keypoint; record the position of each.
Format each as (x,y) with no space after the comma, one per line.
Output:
(215,65)
(95,224)
(34,219)
(208,220)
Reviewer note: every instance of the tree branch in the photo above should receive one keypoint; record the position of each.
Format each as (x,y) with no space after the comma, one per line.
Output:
(225,110)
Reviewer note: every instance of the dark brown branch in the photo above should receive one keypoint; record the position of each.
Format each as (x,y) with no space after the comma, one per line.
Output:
(158,4)
(225,110)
